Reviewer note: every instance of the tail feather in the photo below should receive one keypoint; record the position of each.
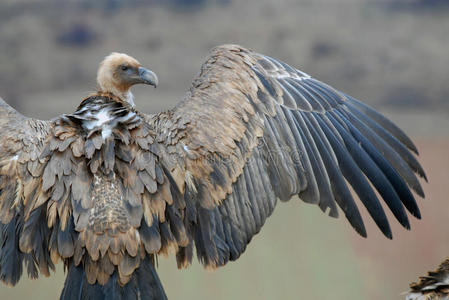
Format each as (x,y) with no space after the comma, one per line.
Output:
(144,285)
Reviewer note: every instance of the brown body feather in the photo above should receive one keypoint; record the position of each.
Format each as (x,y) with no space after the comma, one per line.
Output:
(108,186)
(433,286)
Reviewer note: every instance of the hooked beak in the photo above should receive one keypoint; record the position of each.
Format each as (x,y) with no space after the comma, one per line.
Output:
(148,77)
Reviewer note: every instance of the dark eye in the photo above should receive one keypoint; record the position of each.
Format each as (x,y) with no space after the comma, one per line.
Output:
(124,68)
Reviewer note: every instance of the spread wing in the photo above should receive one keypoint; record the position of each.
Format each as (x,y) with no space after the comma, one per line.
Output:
(22,140)
(252,130)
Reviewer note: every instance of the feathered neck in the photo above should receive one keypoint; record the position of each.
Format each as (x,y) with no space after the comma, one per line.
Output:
(130,99)
(125,96)
(127,100)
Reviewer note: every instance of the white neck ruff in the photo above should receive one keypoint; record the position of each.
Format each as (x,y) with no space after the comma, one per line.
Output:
(129,97)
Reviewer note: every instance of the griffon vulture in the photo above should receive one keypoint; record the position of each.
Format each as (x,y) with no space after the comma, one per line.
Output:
(107,188)
(433,286)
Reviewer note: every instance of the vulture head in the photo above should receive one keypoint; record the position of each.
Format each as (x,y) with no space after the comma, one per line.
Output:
(118,72)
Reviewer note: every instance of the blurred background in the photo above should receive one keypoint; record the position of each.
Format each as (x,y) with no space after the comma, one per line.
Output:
(392,54)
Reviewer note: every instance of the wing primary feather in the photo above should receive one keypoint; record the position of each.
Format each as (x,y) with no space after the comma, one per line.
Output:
(322,144)
(301,101)
(11,258)
(238,235)
(240,211)
(220,237)
(372,172)
(317,94)
(326,199)
(326,92)
(310,193)
(394,178)
(243,204)
(288,99)
(341,193)
(228,232)
(249,177)
(388,152)
(261,196)
(386,123)
(280,177)
(289,148)
(315,128)
(334,94)
(271,197)
(302,161)
(206,230)
(263,202)
(297,84)
(393,142)
(357,180)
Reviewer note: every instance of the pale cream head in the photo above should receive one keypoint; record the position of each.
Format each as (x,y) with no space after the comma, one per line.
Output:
(118,72)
